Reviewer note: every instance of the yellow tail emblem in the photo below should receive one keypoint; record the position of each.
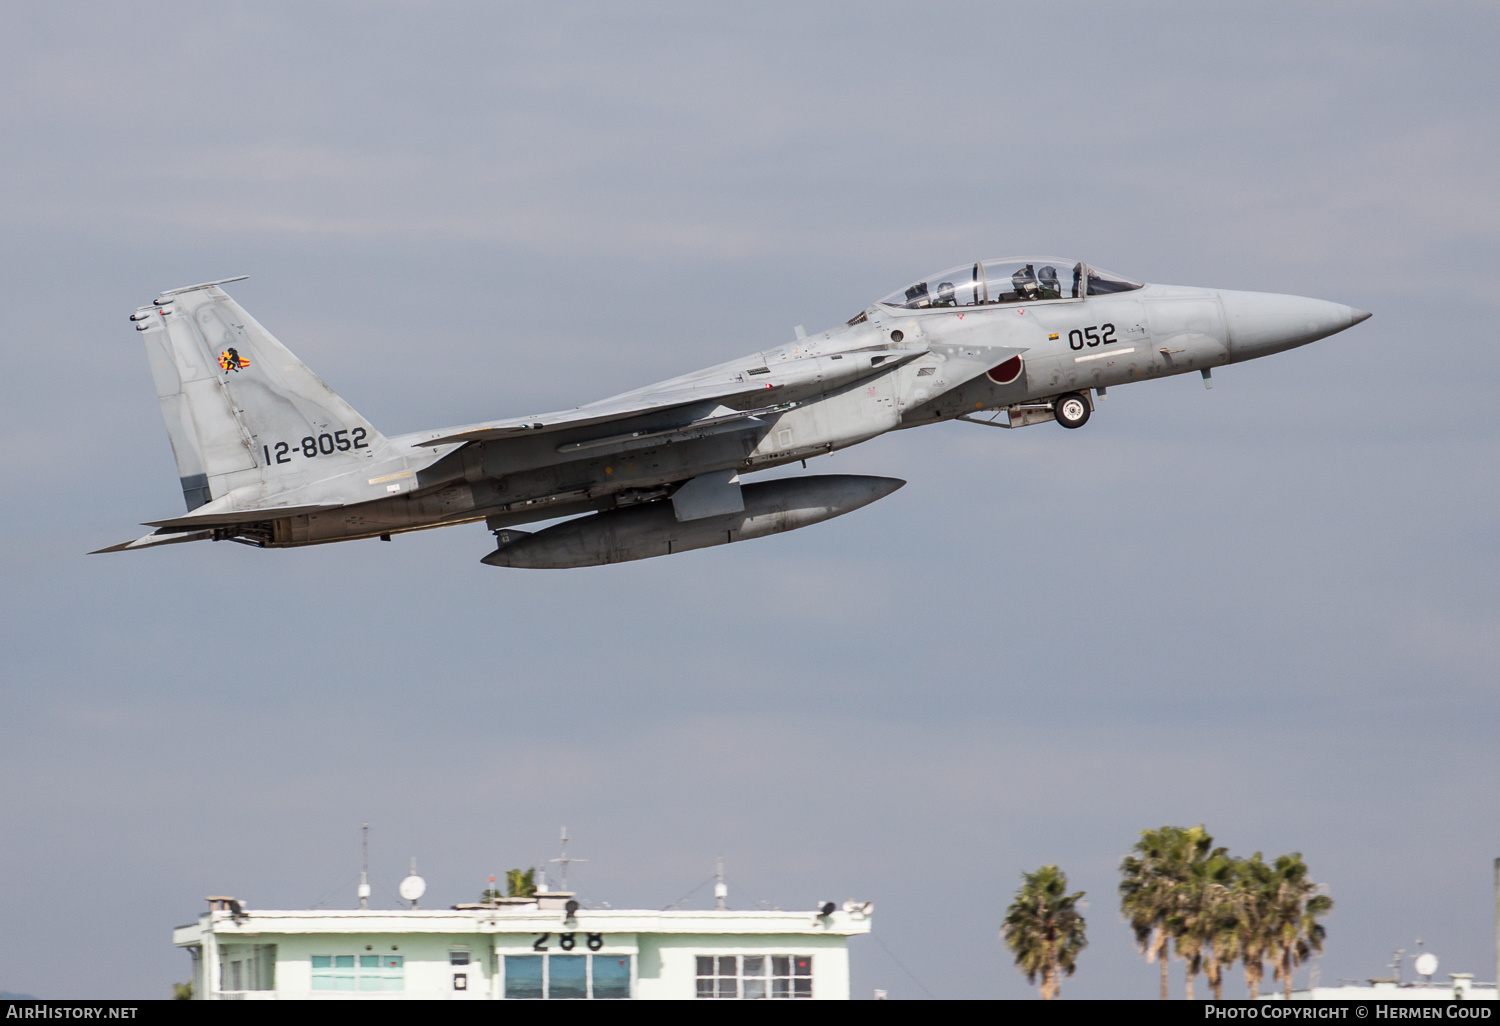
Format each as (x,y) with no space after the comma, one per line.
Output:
(230,359)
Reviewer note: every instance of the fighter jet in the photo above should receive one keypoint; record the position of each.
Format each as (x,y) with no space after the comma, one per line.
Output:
(270,456)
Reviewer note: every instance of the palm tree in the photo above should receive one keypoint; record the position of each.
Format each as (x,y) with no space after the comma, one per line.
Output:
(1253,889)
(1043,929)
(1294,909)
(520,883)
(1152,879)
(1145,896)
(1198,909)
(1210,928)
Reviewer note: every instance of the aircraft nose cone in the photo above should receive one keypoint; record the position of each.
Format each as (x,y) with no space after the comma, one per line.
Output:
(1261,323)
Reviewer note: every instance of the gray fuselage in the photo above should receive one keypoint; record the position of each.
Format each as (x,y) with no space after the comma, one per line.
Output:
(890,368)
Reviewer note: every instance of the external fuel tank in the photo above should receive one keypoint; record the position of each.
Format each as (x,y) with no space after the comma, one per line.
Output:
(652,529)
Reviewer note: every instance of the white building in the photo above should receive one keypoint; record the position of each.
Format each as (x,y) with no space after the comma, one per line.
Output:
(1461,987)
(545,947)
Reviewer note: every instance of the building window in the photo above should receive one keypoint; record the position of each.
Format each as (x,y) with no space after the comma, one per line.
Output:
(358,972)
(798,968)
(609,976)
(754,969)
(333,972)
(247,967)
(564,977)
(524,976)
(754,976)
(567,977)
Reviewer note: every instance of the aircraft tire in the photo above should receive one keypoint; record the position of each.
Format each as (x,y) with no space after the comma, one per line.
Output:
(1072,410)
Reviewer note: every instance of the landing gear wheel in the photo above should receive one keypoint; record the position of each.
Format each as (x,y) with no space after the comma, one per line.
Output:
(1072,410)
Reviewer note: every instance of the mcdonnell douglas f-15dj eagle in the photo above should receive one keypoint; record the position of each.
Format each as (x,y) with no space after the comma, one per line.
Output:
(270,456)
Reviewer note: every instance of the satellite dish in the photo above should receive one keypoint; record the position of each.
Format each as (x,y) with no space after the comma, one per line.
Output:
(413,887)
(1426,964)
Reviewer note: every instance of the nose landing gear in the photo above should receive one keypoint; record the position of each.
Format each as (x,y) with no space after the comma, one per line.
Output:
(1072,410)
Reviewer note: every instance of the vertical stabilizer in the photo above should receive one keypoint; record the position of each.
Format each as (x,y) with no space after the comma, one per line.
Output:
(244,415)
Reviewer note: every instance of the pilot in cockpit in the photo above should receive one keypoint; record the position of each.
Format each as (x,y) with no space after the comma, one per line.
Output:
(1023,283)
(1047,283)
(945,295)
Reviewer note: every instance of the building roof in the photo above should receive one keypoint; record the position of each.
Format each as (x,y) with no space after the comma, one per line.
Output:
(524,919)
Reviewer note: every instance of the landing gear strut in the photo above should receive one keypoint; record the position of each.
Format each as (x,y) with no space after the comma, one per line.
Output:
(1072,410)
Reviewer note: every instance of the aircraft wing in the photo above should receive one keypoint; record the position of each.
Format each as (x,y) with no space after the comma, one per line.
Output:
(231,517)
(604,411)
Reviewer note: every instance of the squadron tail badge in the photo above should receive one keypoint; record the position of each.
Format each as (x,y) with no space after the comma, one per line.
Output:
(231,360)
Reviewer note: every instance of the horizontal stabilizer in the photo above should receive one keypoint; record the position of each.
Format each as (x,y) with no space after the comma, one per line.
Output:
(232,517)
(601,412)
(152,540)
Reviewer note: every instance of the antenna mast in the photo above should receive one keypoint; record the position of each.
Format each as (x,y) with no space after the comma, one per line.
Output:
(564,860)
(364,873)
(720,891)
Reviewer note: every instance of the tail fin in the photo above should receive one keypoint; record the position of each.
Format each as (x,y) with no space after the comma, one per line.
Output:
(244,414)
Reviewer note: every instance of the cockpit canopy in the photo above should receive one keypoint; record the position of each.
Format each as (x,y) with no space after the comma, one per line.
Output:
(1009,280)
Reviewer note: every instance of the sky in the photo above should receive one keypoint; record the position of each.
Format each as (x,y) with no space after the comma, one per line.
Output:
(1270,608)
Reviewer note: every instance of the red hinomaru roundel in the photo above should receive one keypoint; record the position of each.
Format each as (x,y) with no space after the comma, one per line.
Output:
(1007,372)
